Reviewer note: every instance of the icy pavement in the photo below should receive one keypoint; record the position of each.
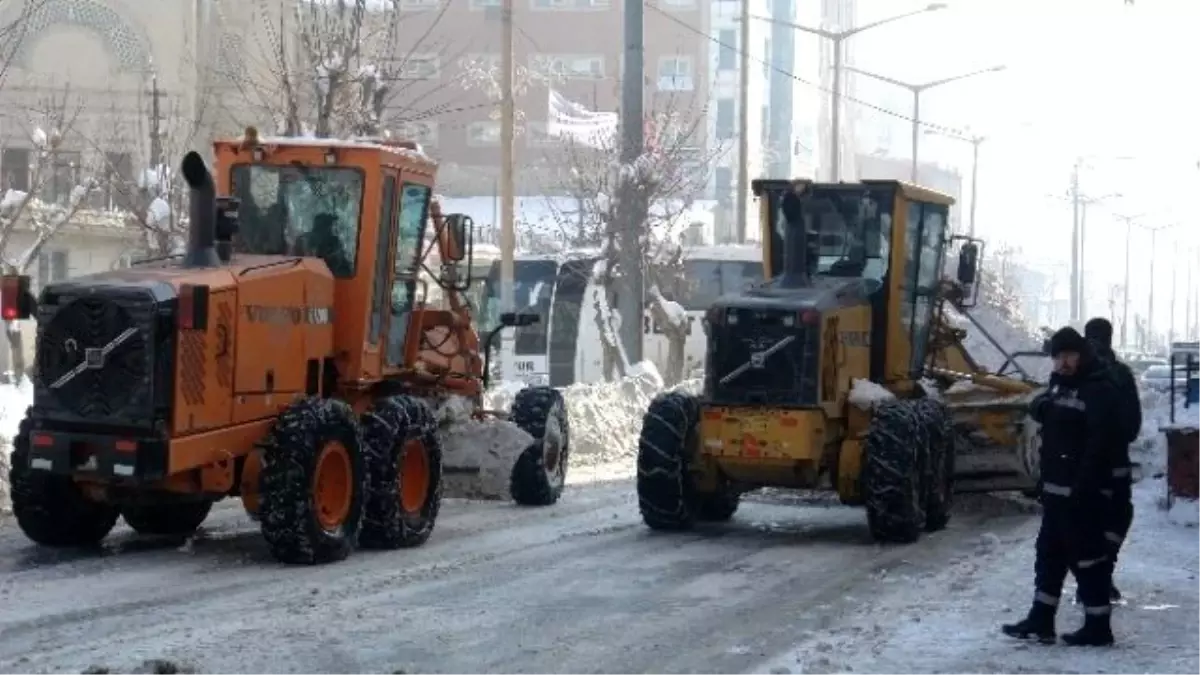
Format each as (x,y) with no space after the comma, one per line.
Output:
(581,586)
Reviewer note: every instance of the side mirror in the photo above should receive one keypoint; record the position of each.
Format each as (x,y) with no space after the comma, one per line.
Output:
(968,263)
(459,229)
(517,319)
(227,218)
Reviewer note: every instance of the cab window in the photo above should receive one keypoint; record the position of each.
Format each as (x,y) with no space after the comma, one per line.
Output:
(308,211)
(379,291)
(924,245)
(410,233)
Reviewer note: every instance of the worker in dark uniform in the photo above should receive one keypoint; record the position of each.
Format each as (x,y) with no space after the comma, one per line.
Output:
(1078,440)
(1099,332)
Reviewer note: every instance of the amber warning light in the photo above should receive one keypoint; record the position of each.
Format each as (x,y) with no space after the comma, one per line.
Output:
(16,302)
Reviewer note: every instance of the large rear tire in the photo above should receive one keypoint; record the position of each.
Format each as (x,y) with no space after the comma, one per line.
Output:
(666,495)
(404,469)
(313,482)
(892,474)
(50,508)
(540,473)
(167,519)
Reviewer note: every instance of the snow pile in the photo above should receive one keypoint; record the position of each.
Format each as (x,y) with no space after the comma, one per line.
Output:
(490,445)
(14,400)
(605,417)
(865,394)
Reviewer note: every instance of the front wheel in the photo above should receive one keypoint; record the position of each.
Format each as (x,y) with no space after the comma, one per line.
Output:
(313,479)
(50,508)
(893,457)
(666,495)
(540,473)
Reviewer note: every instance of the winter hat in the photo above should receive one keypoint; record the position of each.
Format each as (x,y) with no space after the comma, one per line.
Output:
(1100,330)
(1067,340)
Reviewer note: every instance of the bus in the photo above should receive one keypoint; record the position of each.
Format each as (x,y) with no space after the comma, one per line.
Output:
(565,347)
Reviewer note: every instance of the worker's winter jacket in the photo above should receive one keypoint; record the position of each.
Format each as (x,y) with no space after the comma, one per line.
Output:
(1130,413)
(1082,437)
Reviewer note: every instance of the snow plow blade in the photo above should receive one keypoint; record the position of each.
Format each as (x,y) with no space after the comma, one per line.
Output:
(997,441)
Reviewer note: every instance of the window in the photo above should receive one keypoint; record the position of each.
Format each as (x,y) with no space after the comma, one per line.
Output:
(725,119)
(727,54)
(14,162)
(680,4)
(924,247)
(410,232)
(708,280)
(570,5)
(675,73)
(533,288)
(569,66)
(303,211)
(387,208)
(65,167)
(538,136)
(483,134)
(418,5)
(423,132)
(52,266)
(419,67)
(118,181)
(723,184)
(485,4)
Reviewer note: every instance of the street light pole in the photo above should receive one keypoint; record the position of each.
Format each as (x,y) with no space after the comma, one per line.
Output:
(1129,223)
(917,89)
(975,142)
(837,37)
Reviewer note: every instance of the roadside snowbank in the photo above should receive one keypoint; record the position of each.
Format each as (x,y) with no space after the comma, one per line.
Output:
(605,418)
(14,399)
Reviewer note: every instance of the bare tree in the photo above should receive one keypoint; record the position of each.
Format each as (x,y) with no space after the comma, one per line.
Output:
(13,29)
(57,192)
(668,178)
(330,68)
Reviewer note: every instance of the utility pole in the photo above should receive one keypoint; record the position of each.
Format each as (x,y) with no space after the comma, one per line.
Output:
(507,159)
(631,212)
(743,182)
(1174,298)
(1129,221)
(156,150)
(1075,241)
(975,143)
(1189,299)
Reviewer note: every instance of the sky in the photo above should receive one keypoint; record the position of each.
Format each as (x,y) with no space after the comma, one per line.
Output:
(1093,78)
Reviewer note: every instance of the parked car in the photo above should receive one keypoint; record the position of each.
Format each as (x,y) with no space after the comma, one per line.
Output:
(1158,378)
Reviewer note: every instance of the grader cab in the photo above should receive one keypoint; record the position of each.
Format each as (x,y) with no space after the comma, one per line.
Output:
(817,377)
(287,358)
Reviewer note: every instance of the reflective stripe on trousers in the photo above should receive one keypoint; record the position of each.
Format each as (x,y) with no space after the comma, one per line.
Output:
(1057,490)
(1114,537)
(1045,598)
(1102,610)
(1084,564)
(1122,472)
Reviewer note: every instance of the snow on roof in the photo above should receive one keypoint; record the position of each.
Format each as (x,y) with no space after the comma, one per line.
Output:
(347,143)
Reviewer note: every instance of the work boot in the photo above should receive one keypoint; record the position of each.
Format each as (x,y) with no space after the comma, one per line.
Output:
(1039,624)
(1096,632)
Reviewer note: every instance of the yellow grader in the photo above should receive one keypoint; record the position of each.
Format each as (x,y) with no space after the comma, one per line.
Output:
(287,358)
(839,370)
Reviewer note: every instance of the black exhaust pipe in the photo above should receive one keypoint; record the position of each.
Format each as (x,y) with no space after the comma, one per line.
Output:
(202,214)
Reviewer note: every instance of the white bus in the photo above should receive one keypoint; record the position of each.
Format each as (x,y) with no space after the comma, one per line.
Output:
(565,346)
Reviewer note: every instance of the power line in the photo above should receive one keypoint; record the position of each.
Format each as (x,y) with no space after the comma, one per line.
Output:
(797,78)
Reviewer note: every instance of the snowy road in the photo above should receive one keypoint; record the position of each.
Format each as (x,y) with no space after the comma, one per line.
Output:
(579,587)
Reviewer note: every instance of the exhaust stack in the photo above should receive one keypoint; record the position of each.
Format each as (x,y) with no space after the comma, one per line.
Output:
(202,214)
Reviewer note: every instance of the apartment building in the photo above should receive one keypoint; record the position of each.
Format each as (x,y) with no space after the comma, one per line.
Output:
(447,96)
